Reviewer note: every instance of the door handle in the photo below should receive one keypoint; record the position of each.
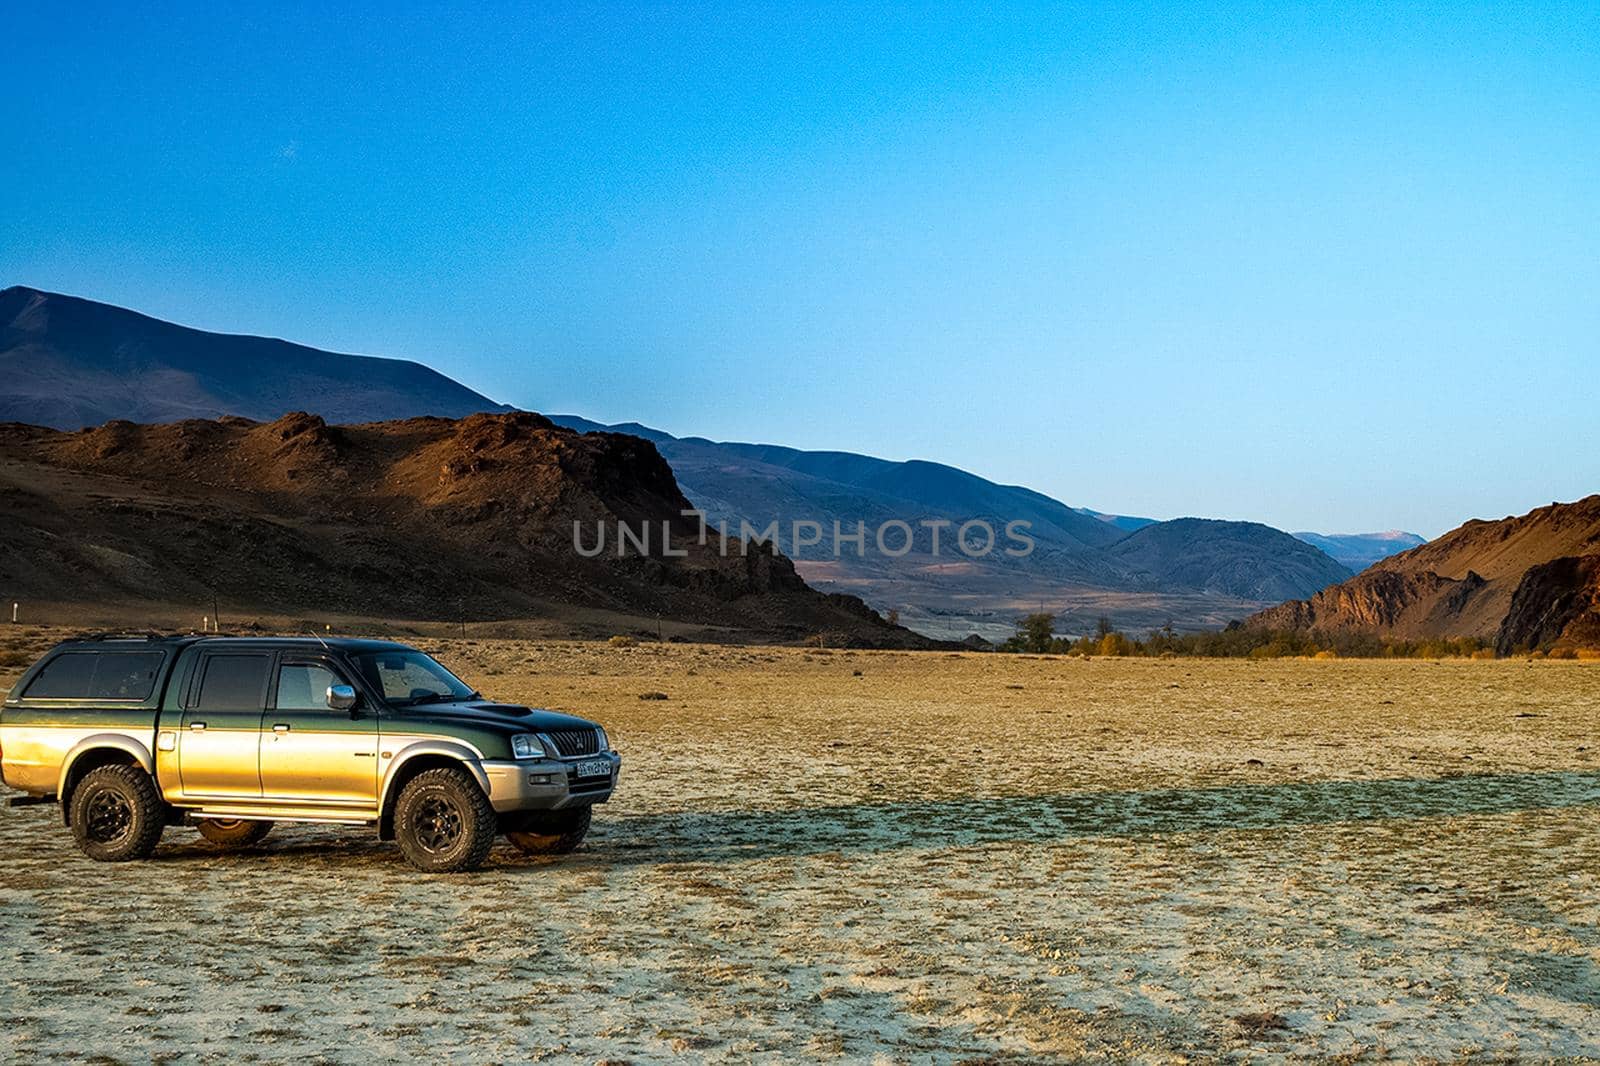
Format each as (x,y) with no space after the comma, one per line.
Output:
(197,727)
(280,729)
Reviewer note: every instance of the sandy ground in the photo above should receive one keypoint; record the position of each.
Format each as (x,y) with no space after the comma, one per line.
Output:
(902,858)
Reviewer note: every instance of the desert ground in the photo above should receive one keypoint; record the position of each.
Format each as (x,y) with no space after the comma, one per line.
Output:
(895,857)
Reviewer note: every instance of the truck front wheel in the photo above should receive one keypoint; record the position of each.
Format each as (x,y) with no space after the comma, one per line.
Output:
(233,832)
(550,832)
(444,822)
(117,815)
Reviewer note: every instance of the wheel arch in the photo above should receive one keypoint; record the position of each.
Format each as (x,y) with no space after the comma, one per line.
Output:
(418,759)
(93,752)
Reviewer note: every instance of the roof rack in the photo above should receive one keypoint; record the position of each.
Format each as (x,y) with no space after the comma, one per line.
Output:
(93,637)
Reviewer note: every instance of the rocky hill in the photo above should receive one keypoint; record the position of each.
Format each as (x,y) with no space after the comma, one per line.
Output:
(425,519)
(1520,582)
(68,363)
(1243,559)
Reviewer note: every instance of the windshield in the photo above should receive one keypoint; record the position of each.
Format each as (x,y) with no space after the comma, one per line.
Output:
(410,677)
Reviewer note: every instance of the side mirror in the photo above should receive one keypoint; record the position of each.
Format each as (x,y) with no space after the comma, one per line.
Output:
(341,697)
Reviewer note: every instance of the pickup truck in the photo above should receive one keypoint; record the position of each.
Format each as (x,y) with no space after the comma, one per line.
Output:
(232,734)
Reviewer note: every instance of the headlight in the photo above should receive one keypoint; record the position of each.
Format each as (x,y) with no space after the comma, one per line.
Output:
(526,746)
(605,741)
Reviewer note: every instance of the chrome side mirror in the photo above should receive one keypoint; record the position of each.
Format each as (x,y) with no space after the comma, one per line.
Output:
(341,697)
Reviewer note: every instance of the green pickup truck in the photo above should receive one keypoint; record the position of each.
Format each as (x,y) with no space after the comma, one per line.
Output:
(232,734)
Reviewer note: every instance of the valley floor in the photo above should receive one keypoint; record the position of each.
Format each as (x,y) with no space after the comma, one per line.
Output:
(843,856)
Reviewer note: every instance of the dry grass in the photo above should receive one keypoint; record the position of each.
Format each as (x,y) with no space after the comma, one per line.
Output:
(838,855)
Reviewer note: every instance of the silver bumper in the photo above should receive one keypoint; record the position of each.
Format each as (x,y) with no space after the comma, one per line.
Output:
(549,784)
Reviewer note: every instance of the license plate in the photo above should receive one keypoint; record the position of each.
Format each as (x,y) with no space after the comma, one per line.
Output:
(595,768)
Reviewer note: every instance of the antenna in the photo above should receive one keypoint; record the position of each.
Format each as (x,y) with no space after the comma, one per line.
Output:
(314,633)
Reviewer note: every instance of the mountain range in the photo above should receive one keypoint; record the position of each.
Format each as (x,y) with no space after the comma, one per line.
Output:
(1360,550)
(72,363)
(1138,572)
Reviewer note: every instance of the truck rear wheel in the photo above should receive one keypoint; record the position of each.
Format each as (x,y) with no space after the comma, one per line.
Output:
(550,832)
(444,822)
(233,832)
(117,815)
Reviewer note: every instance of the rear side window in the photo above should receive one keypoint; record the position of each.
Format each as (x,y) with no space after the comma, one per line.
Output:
(233,683)
(97,675)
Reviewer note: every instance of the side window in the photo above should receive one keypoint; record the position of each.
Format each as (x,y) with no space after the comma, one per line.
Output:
(233,683)
(96,675)
(304,686)
(126,676)
(66,677)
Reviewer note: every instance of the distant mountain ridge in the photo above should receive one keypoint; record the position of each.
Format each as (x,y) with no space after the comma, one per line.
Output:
(1361,550)
(1190,571)
(70,363)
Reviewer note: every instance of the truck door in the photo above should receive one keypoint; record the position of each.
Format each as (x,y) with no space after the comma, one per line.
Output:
(218,743)
(311,753)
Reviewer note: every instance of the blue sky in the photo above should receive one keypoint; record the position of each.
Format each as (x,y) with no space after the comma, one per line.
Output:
(1325,267)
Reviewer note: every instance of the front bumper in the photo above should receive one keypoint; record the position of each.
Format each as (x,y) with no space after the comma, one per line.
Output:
(549,784)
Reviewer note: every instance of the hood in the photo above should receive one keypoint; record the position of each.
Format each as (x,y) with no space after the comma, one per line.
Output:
(516,719)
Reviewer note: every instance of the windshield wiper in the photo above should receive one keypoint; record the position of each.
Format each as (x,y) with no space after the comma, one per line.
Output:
(438,697)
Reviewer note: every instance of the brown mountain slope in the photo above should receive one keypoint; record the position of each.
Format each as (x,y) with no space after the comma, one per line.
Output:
(427,519)
(1527,581)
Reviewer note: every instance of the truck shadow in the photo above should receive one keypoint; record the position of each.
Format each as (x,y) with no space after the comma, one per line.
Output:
(727,836)
(698,837)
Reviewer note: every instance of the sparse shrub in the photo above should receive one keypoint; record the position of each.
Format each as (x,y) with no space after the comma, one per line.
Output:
(1114,643)
(1238,642)
(622,640)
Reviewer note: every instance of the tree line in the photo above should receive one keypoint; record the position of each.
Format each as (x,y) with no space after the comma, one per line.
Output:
(1036,635)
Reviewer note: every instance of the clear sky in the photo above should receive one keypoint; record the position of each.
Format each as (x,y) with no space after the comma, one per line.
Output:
(1325,266)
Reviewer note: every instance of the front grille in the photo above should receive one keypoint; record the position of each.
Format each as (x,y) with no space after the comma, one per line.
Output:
(573,742)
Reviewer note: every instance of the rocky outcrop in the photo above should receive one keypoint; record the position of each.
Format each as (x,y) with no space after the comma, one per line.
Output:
(1518,583)
(1557,604)
(1379,600)
(425,518)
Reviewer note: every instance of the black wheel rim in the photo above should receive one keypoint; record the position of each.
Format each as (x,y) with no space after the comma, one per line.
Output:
(439,824)
(110,817)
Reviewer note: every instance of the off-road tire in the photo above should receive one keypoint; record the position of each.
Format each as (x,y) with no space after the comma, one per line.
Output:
(444,822)
(233,832)
(117,815)
(551,832)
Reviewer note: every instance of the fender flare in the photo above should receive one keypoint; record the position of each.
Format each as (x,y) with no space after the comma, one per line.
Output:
(101,742)
(470,758)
